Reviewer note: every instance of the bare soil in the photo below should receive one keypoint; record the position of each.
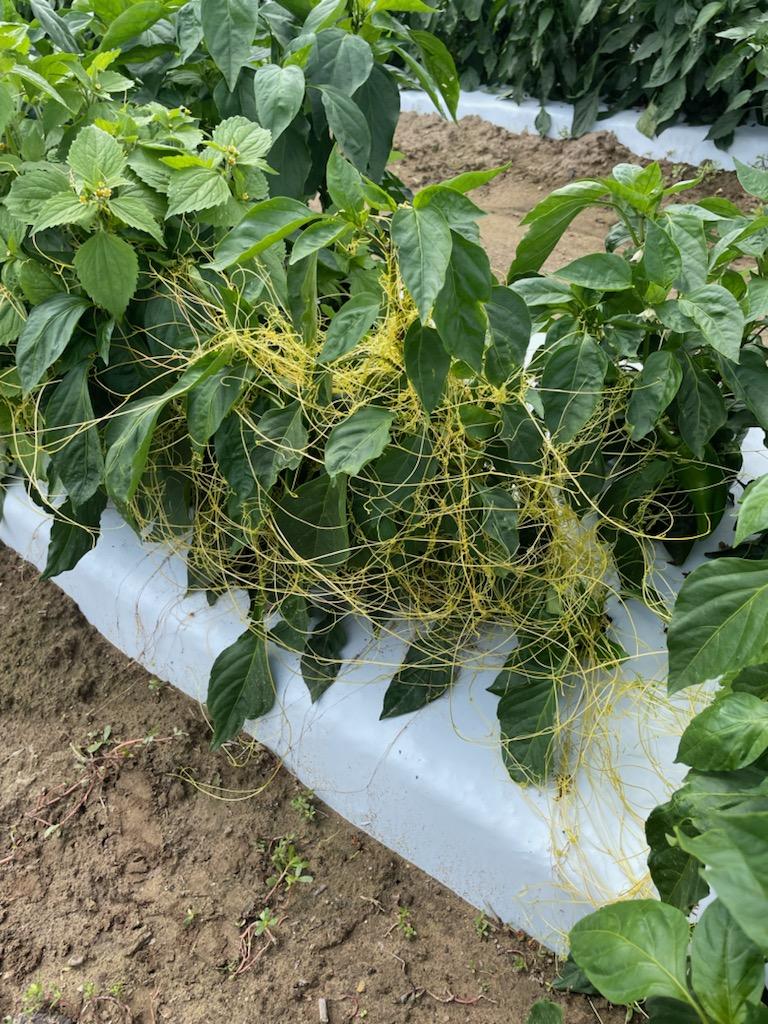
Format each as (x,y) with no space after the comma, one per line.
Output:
(434,149)
(132,873)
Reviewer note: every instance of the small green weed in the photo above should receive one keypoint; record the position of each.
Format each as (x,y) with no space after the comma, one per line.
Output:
(289,867)
(483,926)
(304,805)
(404,924)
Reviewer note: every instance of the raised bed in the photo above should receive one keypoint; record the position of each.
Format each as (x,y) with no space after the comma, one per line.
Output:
(681,143)
(431,786)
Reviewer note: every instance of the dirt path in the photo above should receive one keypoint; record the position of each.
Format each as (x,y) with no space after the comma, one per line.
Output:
(140,906)
(434,148)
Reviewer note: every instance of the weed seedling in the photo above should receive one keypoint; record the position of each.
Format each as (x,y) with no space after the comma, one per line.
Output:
(289,867)
(483,926)
(264,922)
(404,925)
(304,805)
(189,917)
(36,998)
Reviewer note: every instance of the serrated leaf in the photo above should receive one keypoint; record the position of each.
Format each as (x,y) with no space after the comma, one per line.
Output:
(196,188)
(108,270)
(62,208)
(250,142)
(97,159)
(32,189)
(134,213)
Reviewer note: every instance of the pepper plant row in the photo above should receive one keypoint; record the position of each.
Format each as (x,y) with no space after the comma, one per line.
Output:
(704,61)
(229,319)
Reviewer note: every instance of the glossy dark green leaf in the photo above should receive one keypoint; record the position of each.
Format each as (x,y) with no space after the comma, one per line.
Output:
(510,328)
(263,225)
(312,521)
(379,100)
(527,715)
(548,221)
(718,316)
(357,440)
(753,510)
(280,440)
(211,400)
(440,65)
(720,621)
(675,873)
(45,335)
(279,94)
(655,386)
(74,533)
(601,271)
(458,311)
(727,970)
(423,241)
(321,661)
(134,20)
(735,855)
(349,326)
(240,685)
(661,257)
(700,406)
(499,510)
(228,29)
(426,673)
(572,387)
(72,437)
(344,183)
(523,438)
(348,126)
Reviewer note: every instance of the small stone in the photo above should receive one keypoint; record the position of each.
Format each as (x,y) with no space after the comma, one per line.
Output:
(361,986)
(76,961)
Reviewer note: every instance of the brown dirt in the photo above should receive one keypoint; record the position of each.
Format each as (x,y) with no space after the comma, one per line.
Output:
(143,892)
(434,148)
(141,897)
